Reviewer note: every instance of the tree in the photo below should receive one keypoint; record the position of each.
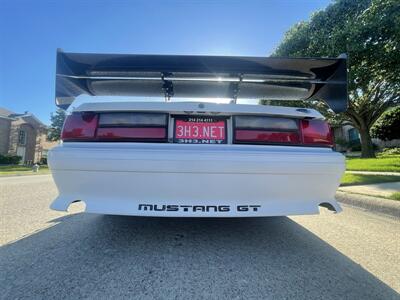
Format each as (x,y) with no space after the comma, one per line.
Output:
(369,32)
(57,122)
(387,127)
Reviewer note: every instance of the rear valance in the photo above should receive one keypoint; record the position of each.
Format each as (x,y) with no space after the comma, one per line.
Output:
(202,77)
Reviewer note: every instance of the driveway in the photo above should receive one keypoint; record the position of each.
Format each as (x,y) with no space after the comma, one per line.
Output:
(47,254)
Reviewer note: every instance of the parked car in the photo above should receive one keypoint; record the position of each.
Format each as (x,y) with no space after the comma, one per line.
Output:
(193,158)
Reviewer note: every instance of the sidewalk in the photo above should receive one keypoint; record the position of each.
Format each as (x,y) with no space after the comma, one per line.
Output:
(374,173)
(377,190)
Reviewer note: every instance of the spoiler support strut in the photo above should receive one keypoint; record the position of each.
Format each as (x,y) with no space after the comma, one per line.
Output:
(167,87)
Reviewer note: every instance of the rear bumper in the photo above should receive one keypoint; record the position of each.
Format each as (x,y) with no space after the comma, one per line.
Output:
(195,180)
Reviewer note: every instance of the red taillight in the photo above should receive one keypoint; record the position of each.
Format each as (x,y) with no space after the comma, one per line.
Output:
(283,131)
(139,127)
(263,136)
(266,130)
(79,126)
(316,133)
(132,133)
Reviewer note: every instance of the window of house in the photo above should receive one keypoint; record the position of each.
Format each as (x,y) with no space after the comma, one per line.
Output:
(353,135)
(22,137)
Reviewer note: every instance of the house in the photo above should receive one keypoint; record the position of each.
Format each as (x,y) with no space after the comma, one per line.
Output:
(351,136)
(23,135)
(347,133)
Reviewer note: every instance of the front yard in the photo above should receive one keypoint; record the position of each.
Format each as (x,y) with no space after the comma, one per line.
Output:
(359,179)
(13,170)
(389,163)
(395,196)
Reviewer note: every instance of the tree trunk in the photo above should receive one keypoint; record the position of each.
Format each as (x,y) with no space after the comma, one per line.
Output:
(367,148)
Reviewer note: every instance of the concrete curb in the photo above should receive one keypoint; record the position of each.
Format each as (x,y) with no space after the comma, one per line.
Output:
(373,204)
(373,173)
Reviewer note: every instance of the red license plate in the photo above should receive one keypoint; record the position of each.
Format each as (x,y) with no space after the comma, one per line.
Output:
(200,130)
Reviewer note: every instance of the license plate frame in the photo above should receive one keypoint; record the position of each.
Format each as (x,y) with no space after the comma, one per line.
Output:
(201,122)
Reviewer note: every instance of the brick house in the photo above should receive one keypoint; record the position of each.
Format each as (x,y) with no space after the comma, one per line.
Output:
(23,135)
(351,135)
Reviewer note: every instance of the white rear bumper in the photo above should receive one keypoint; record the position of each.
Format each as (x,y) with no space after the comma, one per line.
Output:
(177,180)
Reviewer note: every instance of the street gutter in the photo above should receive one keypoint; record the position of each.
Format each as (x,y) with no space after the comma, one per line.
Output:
(373,204)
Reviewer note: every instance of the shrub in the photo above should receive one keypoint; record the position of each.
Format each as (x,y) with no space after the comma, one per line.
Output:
(356,146)
(341,142)
(10,159)
(387,126)
(391,151)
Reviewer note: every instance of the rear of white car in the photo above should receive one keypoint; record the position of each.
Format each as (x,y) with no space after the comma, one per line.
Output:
(194,159)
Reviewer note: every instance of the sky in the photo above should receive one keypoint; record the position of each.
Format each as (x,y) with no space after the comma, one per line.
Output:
(31,31)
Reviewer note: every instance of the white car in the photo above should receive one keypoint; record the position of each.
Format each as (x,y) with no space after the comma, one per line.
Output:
(194,158)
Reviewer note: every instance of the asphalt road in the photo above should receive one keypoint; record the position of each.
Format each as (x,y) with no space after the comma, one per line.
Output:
(47,254)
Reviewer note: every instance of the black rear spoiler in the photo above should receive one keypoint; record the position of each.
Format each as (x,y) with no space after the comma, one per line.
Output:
(201,76)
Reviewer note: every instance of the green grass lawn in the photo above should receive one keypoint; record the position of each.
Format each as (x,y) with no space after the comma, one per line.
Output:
(390,163)
(21,170)
(353,179)
(395,196)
